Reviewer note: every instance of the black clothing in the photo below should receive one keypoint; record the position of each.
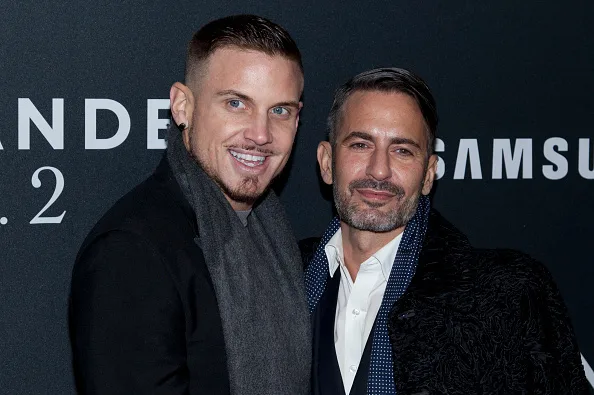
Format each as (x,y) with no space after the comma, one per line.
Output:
(144,317)
(478,321)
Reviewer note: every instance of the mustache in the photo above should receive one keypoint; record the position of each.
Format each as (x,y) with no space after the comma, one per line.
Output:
(378,186)
(254,148)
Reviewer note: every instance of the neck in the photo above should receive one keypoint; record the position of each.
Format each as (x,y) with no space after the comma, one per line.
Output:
(238,205)
(359,245)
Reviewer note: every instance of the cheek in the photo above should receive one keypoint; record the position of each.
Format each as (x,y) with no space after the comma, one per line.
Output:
(283,138)
(413,178)
(352,166)
(343,175)
(214,121)
(215,133)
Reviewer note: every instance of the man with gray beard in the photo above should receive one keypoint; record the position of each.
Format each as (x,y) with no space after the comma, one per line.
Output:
(400,300)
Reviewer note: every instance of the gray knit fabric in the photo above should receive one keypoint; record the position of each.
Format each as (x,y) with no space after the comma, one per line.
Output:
(257,275)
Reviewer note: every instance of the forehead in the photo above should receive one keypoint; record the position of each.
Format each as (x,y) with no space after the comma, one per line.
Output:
(388,113)
(252,73)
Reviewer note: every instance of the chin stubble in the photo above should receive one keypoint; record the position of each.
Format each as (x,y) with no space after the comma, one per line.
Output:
(366,216)
(242,193)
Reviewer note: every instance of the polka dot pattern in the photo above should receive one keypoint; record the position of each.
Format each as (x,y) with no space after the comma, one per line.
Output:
(317,270)
(381,375)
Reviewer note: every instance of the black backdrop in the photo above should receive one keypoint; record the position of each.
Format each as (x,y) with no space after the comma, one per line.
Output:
(513,81)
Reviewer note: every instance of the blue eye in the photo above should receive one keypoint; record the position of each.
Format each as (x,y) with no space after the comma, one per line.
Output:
(280,111)
(236,104)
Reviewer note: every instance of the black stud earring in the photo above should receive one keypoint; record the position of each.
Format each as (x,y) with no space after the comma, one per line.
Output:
(182,126)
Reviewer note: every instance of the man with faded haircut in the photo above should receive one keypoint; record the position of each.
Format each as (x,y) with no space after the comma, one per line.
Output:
(184,286)
(401,302)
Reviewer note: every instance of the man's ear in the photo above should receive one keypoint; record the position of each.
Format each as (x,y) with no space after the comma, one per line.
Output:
(182,107)
(430,174)
(325,161)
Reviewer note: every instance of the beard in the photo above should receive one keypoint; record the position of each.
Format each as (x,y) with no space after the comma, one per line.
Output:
(367,216)
(246,192)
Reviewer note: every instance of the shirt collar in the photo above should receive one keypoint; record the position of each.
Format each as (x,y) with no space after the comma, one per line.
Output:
(334,252)
(385,255)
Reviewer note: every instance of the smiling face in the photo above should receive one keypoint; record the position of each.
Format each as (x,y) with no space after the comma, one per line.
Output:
(244,120)
(379,165)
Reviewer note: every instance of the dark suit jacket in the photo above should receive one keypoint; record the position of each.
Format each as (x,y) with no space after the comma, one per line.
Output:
(143,314)
(326,378)
(479,322)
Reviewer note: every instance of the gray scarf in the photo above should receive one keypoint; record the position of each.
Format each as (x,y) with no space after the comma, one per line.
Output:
(257,275)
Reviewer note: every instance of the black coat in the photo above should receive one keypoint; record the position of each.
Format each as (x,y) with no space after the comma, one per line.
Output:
(143,313)
(478,321)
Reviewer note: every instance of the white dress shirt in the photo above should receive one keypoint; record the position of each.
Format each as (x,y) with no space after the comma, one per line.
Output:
(358,302)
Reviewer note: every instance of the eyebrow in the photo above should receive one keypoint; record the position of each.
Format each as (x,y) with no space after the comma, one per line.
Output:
(231,92)
(394,140)
(294,104)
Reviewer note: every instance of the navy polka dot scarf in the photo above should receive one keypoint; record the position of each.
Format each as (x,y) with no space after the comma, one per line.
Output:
(381,375)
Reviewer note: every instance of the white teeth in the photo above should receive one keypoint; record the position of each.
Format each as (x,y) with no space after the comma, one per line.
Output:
(249,160)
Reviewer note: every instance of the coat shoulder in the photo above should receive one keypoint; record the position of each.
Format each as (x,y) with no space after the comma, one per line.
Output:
(448,258)
(155,211)
(507,271)
(154,217)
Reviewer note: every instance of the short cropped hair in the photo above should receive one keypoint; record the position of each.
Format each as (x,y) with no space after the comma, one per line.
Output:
(386,80)
(247,32)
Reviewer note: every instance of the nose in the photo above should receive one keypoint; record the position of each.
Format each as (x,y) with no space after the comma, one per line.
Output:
(379,166)
(259,131)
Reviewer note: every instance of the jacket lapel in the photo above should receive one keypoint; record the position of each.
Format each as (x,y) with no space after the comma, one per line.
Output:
(326,377)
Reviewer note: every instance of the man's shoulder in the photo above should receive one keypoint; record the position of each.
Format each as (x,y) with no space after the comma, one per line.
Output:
(447,249)
(150,204)
(154,211)
(493,273)
(510,270)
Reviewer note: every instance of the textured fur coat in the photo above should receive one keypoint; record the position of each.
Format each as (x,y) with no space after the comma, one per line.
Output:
(478,321)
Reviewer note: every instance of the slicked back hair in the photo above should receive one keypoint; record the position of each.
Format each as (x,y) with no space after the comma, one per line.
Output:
(386,80)
(246,32)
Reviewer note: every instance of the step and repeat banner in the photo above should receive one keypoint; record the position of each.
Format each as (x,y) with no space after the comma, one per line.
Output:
(84,107)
